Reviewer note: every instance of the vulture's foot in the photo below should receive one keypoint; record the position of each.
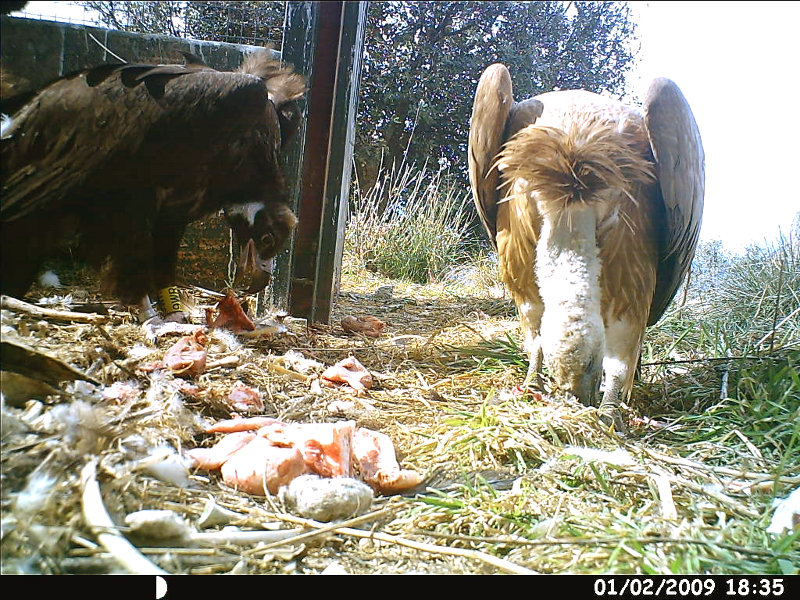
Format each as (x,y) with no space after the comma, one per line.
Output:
(154,326)
(611,416)
(175,317)
(533,378)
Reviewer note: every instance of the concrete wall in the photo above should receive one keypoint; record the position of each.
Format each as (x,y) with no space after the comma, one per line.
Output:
(36,52)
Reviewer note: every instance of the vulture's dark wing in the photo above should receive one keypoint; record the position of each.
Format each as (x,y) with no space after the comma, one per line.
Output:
(495,118)
(134,126)
(680,168)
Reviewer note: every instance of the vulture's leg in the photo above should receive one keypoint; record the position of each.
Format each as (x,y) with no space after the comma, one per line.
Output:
(20,262)
(155,326)
(132,256)
(24,245)
(146,310)
(530,317)
(166,241)
(623,341)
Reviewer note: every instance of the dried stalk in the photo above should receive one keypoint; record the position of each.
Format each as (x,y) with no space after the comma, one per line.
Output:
(48,313)
(98,520)
(684,462)
(306,535)
(503,565)
(272,365)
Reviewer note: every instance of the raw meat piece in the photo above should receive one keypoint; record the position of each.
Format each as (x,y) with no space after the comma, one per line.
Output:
(188,355)
(230,316)
(262,451)
(369,325)
(214,457)
(374,453)
(348,371)
(240,424)
(326,447)
(245,398)
(261,465)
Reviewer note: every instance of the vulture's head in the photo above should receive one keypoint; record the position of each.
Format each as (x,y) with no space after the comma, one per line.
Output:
(261,230)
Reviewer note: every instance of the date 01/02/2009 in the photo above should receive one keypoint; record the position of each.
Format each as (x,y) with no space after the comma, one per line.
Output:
(697,587)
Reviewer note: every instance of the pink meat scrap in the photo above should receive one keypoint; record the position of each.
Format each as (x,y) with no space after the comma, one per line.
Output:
(261,454)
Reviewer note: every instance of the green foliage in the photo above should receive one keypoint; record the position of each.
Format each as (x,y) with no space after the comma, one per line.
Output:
(735,304)
(727,359)
(762,411)
(418,234)
(761,291)
(423,61)
(257,23)
(141,17)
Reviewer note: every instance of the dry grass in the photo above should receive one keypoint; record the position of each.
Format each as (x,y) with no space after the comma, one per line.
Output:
(411,225)
(513,484)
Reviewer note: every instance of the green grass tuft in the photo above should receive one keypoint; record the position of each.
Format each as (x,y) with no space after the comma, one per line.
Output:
(412,225)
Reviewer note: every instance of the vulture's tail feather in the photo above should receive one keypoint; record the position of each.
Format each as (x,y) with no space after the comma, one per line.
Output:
(576,165)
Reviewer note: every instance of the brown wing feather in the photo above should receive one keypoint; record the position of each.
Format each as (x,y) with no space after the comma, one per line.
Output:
(493,100)
(680,167)
(495,119)
(75,131)
(523,114)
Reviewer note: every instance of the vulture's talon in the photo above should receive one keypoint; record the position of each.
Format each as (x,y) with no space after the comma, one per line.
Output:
(176,317)
(611,417)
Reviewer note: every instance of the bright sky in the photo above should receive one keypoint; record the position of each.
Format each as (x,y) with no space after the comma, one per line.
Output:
(736,63)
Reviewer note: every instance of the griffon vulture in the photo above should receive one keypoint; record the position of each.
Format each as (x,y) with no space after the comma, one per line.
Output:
(594,208)
(119,159)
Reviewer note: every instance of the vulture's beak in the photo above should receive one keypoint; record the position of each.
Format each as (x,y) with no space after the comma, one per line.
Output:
(253,269)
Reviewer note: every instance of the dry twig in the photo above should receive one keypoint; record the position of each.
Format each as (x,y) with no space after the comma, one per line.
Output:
(98,520)
(48,313)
